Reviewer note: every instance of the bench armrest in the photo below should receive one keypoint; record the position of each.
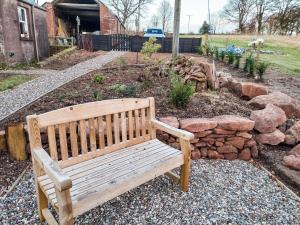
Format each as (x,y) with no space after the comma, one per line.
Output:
(61,181)
(172,130)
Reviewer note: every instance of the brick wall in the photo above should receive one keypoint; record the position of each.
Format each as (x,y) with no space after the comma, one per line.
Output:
(51,20)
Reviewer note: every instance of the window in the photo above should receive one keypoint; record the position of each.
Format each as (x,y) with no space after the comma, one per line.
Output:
(23,21)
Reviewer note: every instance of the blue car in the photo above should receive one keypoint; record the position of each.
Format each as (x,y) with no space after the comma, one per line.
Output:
(154,32)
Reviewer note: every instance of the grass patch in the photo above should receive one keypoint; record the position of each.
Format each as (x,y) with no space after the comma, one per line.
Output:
(12,81)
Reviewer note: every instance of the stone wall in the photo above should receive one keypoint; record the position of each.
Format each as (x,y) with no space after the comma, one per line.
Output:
(222,137)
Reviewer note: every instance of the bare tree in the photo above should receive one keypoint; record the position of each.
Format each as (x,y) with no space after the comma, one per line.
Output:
(239,11)
(127,8)
(262,7)
(154,21)
(165,13)
(214,22)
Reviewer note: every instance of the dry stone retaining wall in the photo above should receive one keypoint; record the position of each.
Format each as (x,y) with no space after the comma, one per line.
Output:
(221,137)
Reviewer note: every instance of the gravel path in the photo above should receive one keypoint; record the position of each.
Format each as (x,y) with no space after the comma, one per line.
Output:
(39,72)
(222,192)
(13,100)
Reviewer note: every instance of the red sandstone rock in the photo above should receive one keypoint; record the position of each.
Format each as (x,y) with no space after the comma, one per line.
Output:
(194,141)
(230,122)
(197,124)
(244,135)
(274,138)
(170,120)
(195,155)
(290,106)
(254,151)
(250,90)
(245,154)
(231,156)
(237,142)
(214,155)
(290,140)
(203,152)
(201,144)
(292,162)
(203,133)
(268,119)
(219,135)
(222,131)
(219,143)
(295,151)
(250,143)
(294,131)
(227,149)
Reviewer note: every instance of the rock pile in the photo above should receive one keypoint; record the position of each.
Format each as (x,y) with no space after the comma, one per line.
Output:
(221,137)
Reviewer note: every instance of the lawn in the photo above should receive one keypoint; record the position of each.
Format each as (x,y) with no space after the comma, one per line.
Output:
(286,49)
(11,81)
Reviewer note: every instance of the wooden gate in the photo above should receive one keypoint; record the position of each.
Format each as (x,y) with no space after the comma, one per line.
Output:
(120,42)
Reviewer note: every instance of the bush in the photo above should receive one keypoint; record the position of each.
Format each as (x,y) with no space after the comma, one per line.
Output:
(97,96)
(3,66)
(216,52)
(181,93)
(121,62)
(150,47)
(230,56)
(250,65)
(200,50)
(237,61)
(124,90)
(98,78)
(261,68)
(222,55)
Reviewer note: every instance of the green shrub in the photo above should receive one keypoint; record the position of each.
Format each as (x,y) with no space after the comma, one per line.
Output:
(98,78)
(200,50)
(150,47)
(3,66)
(181,93)
(121,62)
(230,56)
(250,64)
(222,55)
(237,61)
(216,52)
(97,96)
(261,68)
(124,90)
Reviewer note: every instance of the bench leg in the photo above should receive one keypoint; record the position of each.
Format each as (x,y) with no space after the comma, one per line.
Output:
(65,210)
(42,201)
(185,168)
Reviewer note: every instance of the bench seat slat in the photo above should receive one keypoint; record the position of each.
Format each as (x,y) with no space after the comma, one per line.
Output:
(115,173)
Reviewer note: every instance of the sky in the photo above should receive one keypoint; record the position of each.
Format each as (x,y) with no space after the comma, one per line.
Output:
(198,9)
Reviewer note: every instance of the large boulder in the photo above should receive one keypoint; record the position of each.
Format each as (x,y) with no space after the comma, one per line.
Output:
(170,120)
(290,106)
(268,119)
(293,133)
(295,151)
(230,122)
(198,124)
(292,161)
(250,90)
(273,138)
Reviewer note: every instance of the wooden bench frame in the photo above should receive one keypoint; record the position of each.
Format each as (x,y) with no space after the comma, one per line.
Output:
(43,164)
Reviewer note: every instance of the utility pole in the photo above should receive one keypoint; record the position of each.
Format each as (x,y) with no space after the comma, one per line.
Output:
(189,20)
(208,12)
(176,27)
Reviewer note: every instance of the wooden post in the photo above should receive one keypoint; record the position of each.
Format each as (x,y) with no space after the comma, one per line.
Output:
(185,168)
(3,146)
(176,28)
(65,210)
(16,141)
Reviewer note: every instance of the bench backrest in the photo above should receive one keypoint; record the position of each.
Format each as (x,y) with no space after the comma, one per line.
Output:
(81,132)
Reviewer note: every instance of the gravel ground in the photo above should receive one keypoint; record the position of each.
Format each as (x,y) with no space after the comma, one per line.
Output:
(222,192)
(13,100)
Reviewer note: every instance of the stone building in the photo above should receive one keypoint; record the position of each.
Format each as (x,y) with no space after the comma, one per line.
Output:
(23,31)
(95,17)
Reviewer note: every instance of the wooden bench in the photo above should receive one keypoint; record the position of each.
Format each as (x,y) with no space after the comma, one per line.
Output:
(98,151)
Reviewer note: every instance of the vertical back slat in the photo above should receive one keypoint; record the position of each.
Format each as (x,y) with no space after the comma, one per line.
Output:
(83,140)
(108,129)
(130,125)
(52,142)
(74,139)
(101,133)
(123,126)
(151,116)
(63,141)
(136,123)
(143,121)
(116,128)
(92,134)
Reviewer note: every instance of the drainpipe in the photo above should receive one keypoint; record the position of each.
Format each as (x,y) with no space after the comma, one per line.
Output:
(34,34)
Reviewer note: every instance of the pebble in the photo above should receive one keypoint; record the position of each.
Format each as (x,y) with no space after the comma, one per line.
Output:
(221,192)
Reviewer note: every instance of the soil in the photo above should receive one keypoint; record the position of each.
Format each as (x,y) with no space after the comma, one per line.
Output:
(128,71)
(71,59)
(10,170)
